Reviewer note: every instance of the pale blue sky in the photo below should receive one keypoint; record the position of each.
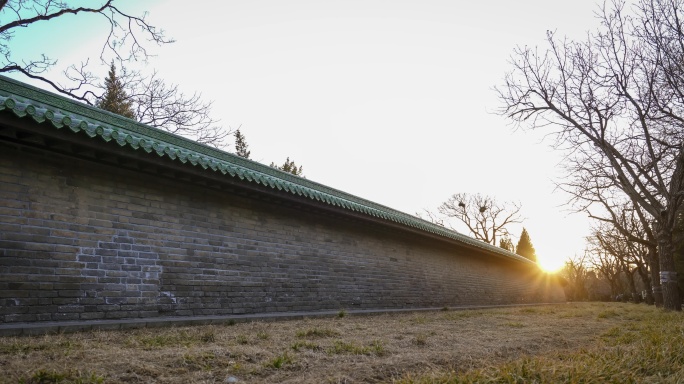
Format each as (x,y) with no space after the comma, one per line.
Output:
(388,100)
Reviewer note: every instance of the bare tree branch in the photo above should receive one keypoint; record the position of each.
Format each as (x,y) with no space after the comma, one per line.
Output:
(123,41)
(484,217)
(615,101)
(159,104)
(156,102)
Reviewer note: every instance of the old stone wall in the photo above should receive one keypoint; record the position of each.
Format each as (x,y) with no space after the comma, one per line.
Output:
(81,240)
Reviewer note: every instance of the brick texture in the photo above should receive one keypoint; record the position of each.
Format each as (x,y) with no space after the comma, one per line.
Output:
(81,240)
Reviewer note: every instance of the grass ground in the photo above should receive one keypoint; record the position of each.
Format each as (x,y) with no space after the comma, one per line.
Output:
(572,343)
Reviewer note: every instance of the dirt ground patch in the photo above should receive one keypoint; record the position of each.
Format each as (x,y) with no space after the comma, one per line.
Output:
(349,349)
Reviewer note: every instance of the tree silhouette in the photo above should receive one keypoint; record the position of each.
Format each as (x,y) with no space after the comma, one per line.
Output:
(241,147)
(483,216)
(115,99)
(290,167)
(507,244)
(525,247)
(126,39)
(152,101)
(615,101)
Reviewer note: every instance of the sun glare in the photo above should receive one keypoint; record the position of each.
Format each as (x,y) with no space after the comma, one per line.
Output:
(550,265)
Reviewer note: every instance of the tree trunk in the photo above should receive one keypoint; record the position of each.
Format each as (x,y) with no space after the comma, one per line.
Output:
(668,276)
(654,264)
(632,285)
(614,289)
(643,274)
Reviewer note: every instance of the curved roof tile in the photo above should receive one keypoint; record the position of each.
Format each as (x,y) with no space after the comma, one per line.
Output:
(41,106)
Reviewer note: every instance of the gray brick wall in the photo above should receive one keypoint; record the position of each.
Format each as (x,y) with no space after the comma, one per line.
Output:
(81,240)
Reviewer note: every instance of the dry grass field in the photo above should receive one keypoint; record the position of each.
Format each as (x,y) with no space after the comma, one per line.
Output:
(583,342)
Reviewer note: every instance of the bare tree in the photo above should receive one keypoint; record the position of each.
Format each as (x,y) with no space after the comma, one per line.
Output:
(629,257)
(484,217)
(615,101)
(162,105)
(154,102)
(125,40)
(607,267)
(576,275)
(593,191)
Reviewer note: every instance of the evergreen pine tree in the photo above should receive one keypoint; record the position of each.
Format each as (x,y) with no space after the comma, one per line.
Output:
(241,145)
(289,166)
(507,244)
(525,247)
(115,99)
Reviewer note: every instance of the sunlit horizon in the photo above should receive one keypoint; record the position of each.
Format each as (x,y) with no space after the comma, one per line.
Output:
(550,265)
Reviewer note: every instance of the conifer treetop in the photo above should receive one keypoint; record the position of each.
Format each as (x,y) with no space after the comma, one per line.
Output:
(115,99)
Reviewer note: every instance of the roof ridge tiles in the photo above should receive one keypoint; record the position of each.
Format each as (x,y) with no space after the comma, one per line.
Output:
(25,100)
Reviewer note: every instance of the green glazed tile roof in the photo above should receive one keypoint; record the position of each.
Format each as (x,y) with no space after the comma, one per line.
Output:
(61,113)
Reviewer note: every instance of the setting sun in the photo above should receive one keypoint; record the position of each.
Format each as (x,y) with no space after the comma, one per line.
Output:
(550,264)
